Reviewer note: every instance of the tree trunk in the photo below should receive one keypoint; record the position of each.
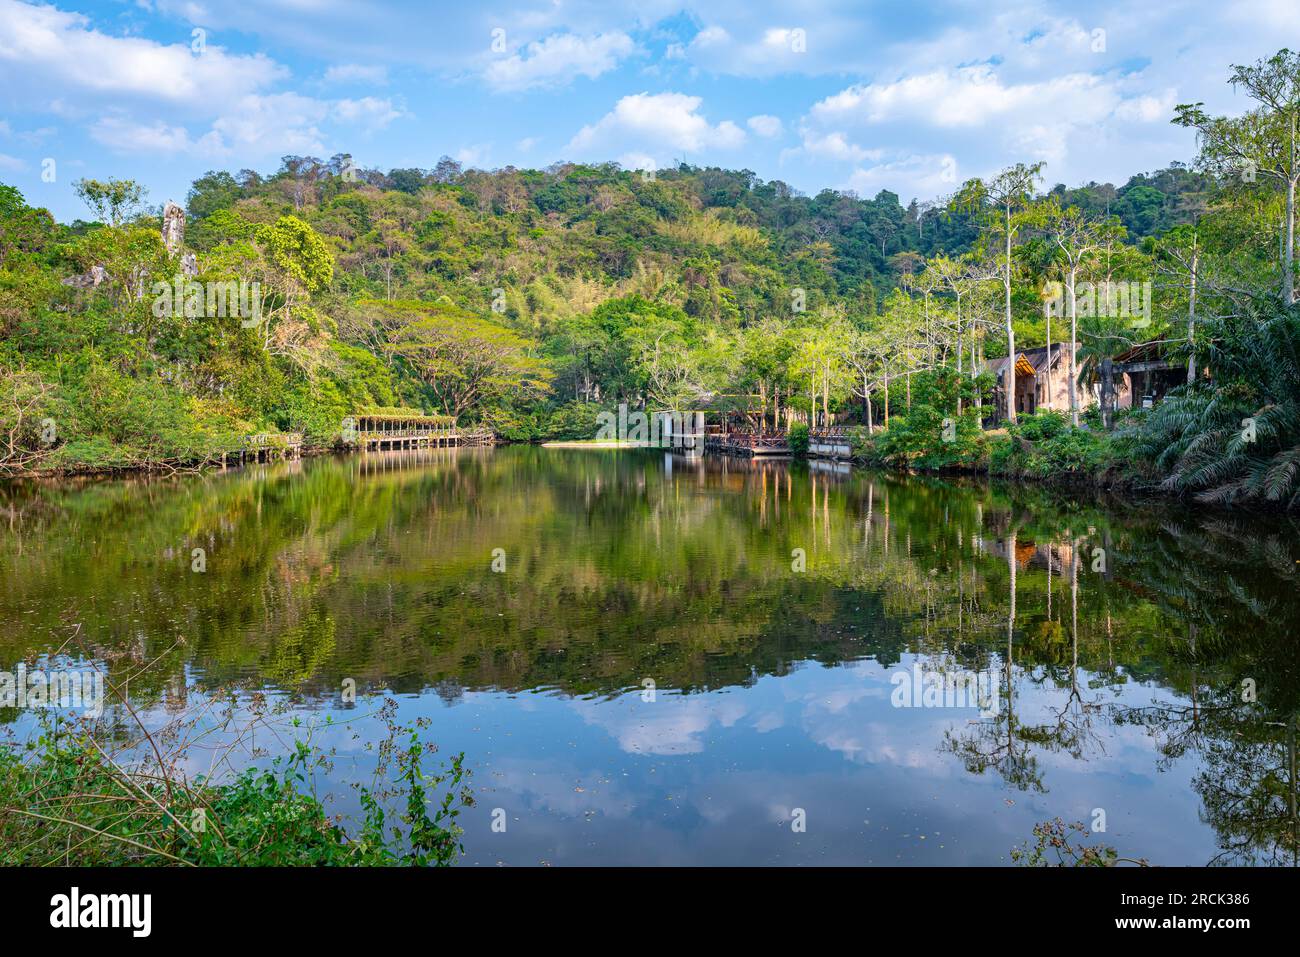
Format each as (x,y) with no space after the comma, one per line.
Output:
(826,396)
(959,355)
(1107,391)
(1011,333)
(1074,338)
(1047,369)
(1191,315)
(1288,268)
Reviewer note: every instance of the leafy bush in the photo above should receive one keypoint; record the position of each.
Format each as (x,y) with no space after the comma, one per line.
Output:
(1045,446)
(1041,425)
(926,438)
(575,420)
(798,439)
(66,802)
(862,444)
(932,434)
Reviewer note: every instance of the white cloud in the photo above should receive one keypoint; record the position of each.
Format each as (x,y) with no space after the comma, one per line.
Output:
(41,46)
(368,112)
(357,73)
(750,50)
(11,164)
(280,122)
(922,175)
(474,155)
(656,122)
(257,125)
(834,145)
(709,37)
(765,126)
(971,96)
(126,136)
(1148,108)
(559,59)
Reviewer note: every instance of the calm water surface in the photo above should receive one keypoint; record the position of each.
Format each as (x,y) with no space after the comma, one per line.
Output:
(681,657)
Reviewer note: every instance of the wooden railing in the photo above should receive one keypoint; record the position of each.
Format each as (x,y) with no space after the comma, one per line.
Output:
(748,443)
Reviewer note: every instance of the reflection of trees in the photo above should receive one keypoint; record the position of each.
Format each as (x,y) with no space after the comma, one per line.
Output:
(1248,788)
(1072,731)
(1001,742)
(619,570)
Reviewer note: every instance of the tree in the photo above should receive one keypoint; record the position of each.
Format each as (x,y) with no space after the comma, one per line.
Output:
(1263,141)
(765,351)
(1236,438)
(868,355)
(113,201)
(23,229)
(1178,254)
(467,362)
(285,263)
(819,361)
(1077,237)
(1008,200)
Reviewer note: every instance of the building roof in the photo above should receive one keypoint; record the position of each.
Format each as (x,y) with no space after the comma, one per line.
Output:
(1028,361)
(1153,351)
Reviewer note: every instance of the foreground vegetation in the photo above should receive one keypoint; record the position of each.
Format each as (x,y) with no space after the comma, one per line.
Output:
(65,800)
(532,300)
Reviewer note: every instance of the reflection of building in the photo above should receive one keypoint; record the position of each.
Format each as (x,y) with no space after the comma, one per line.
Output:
(681,431)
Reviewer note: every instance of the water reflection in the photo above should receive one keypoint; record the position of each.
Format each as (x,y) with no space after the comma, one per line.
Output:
(1145,655)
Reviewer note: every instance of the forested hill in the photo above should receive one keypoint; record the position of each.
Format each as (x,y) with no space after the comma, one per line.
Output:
(519,298)
(725,244)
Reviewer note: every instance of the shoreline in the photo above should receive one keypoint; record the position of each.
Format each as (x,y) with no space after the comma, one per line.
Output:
(1106,482)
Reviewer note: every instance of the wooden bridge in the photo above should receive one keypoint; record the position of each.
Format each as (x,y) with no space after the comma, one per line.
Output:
(265,447)
(374,432)
(747,443)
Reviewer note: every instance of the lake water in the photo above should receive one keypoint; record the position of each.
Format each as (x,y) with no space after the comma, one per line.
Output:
(708,661)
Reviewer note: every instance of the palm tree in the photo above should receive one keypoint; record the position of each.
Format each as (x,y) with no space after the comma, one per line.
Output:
(1100,337)
(1236,437)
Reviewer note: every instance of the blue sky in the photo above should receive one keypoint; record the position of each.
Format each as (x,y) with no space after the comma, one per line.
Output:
(914,97)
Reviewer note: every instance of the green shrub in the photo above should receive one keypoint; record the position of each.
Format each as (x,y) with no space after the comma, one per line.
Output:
(1046,446)
(1041,425)
(798,439)
(574,420)
(65,802)
(927,438)
(863,445)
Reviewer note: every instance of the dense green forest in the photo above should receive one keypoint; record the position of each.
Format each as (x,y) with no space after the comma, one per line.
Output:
(529,300)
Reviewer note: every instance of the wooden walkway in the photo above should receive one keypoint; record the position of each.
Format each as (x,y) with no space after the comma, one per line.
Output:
(382,432)
(748,444)
(265,447)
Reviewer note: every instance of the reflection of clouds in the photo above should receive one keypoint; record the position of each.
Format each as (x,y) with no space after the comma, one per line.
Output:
(879,744)
(840,699)
(769,721)
(671,724)
(560,790)
(859,721)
